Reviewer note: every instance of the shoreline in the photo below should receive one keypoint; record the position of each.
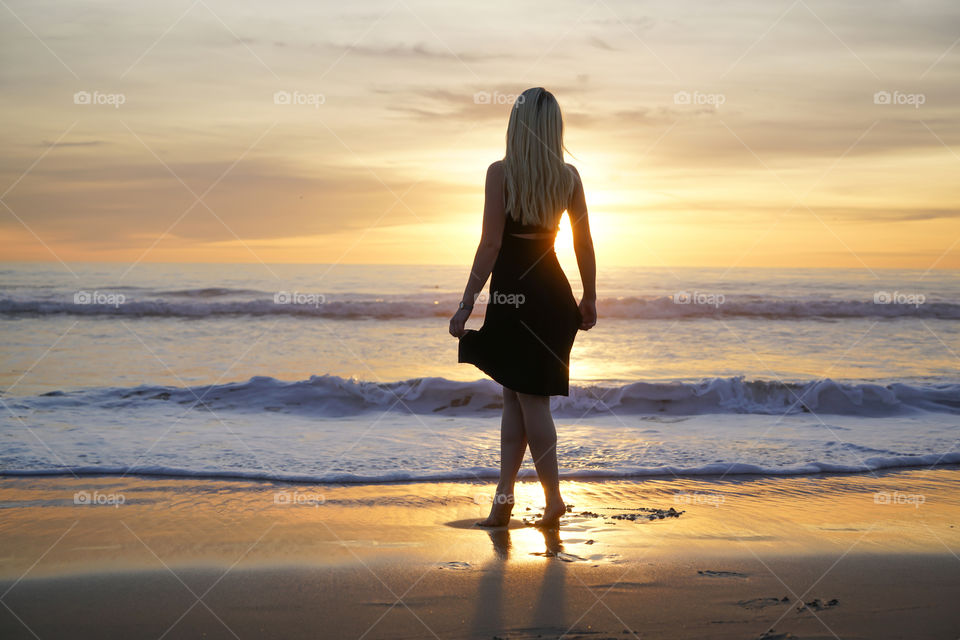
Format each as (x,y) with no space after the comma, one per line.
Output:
(484,475)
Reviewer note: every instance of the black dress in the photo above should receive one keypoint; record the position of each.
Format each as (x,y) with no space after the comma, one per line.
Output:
(532,317)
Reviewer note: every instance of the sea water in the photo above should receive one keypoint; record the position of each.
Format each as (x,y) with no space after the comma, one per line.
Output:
(347,373)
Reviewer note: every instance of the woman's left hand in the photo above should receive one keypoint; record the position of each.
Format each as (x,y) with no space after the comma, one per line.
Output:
(588,313)
(458,321)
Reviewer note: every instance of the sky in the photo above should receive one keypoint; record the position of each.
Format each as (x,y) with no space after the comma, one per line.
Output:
(759,133)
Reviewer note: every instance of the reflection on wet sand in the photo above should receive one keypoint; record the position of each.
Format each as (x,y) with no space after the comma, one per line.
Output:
(549,610)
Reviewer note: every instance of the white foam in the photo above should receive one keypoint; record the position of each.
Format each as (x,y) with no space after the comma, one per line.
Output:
(333,396)
(492,473)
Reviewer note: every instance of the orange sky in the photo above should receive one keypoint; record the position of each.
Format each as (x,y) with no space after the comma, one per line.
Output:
(743,133)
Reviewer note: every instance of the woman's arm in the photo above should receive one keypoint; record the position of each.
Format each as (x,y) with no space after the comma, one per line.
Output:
(583,247)
(488,249)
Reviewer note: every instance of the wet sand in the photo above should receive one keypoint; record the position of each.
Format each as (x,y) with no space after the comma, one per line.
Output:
(856,556)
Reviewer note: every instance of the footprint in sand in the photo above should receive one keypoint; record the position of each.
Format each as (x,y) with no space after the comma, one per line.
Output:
(773,635)
(562,555)
(760,603)
(722,574)
(817,605)
(456,566)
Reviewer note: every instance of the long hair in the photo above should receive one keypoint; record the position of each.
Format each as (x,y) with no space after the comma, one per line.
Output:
(538,182)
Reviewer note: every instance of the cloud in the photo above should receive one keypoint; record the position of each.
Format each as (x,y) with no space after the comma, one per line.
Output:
(430,104)
(874,215)
(627,23)
(600,43)
(84,143)
(416,51)
(750,212)
(111,200)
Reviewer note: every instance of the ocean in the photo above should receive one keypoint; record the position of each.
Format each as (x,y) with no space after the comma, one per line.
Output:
(347,374)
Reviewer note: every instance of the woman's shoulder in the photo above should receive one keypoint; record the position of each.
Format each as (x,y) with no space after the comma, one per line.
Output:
(577,181)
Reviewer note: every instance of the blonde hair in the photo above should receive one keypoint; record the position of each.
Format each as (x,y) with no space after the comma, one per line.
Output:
(538,182)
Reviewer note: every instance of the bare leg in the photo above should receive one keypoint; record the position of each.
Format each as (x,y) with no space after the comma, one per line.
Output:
(542,436)
(513,445)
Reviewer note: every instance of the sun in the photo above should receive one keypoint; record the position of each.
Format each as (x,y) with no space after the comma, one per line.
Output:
(598,230)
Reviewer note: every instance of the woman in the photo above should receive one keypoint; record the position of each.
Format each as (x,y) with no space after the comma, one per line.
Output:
(532,316)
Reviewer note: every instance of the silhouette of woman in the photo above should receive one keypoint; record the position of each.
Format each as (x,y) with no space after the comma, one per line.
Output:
(532,317)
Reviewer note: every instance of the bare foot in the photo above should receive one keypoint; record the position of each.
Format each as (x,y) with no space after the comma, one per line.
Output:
(499,512)
(551,516)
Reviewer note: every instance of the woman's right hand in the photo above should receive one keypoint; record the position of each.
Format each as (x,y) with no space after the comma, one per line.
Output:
(458,321)
(588,313)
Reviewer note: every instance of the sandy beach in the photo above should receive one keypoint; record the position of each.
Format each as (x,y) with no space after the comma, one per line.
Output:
(843,556)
